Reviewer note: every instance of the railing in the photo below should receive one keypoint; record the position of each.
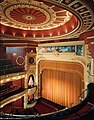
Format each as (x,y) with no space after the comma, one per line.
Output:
(17,94)
(82,96)
(10,93)
(11,70)
(3,91)
(8,66)
(75,112)
(5,62)
(61,114)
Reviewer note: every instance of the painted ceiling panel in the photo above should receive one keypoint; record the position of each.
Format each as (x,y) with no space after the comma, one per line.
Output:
(44,20)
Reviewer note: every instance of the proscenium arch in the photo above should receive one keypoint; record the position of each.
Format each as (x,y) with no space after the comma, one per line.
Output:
(62,66)
(48,70)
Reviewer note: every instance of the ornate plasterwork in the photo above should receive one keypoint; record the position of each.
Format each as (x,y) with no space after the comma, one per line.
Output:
(81,9)
(53,29)
(32,15)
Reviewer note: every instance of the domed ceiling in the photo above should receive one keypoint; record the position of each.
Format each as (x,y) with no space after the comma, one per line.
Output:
(42,20)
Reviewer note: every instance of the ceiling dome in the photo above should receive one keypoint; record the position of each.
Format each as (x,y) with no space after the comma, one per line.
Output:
(43,20)
(28,16)
(34,15)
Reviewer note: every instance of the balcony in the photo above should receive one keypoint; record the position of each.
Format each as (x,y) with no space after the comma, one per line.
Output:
(6,67)
(12,96)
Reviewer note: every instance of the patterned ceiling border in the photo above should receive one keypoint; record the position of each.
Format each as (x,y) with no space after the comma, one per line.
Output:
(80,9)
(24,20)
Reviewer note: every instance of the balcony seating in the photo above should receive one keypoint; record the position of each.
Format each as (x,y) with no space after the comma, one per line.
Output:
(13,91)
(6,67)
(7,90)
(5,87)
(59,107)
(88,115)
(78,112)
(43,108)
(5,62)
(11,70)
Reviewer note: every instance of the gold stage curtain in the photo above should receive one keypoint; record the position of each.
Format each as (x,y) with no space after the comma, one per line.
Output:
(61,87)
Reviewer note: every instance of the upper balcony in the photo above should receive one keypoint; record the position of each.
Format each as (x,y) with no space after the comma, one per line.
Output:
(7,67)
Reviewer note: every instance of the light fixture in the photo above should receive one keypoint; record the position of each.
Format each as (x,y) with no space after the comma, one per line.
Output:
(14,54)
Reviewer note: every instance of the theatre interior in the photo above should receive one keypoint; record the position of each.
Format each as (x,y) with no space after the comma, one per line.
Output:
(47,59)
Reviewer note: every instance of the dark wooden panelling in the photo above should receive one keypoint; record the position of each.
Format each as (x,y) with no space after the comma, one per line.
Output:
(2,53)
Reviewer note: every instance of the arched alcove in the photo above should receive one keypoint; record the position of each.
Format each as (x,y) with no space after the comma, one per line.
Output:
(31,81)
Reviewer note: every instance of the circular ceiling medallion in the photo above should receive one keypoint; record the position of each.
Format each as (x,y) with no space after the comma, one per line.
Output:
(45,20)
(29,17)
(33,15)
